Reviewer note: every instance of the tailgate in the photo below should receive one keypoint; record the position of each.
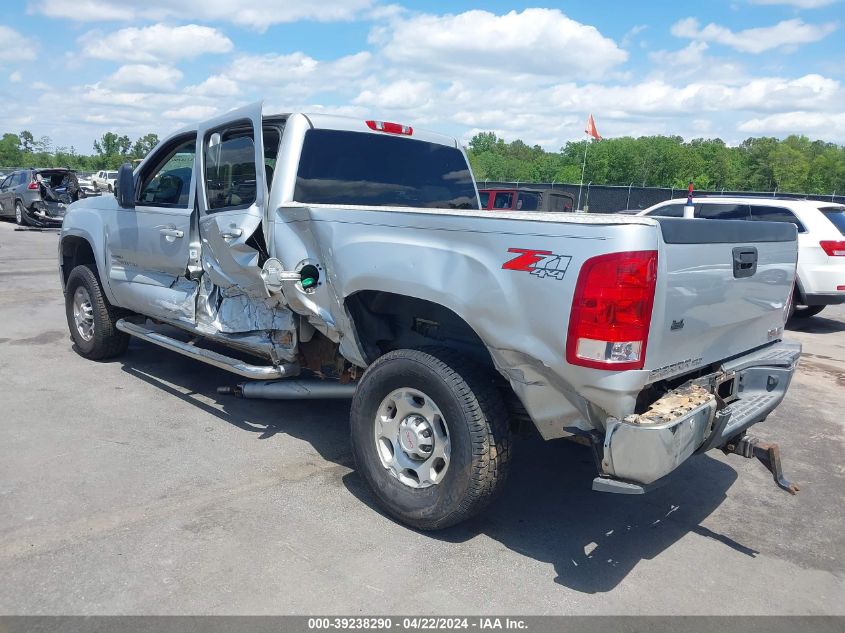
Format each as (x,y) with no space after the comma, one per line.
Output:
(723,289)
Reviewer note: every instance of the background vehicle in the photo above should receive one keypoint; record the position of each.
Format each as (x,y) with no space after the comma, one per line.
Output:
(381,279)
(38,197)
(104,180)
(821,240)
(524,199)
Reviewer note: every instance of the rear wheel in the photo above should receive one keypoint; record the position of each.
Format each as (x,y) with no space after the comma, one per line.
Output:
(91,318)
(20,215)
(430,436)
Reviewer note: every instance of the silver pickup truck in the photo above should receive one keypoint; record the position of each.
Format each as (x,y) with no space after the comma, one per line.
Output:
(326,257)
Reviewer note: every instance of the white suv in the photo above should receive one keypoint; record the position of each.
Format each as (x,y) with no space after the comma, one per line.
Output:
(821,239)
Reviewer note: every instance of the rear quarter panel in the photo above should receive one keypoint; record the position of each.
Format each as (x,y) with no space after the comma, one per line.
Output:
(461,261)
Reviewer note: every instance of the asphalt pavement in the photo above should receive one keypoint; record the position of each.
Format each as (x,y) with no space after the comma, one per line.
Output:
(132,487)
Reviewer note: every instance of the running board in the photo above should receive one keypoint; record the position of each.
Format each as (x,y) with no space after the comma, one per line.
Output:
(234,365)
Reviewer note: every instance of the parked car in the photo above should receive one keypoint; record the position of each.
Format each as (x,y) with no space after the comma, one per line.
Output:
(821,240)
(104,180)
(381,279)
(524,199)
(38,197)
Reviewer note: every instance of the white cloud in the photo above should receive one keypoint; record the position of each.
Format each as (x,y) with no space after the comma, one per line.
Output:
(798,4)
(15,77)
(816,124)
(158,42)
(788,33)
(145,77)
(15,47)
(294,76)
(535,41)
(191,113)
(257,14)
(404,94)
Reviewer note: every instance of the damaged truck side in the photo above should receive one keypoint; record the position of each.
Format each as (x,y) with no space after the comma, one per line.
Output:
(325,257)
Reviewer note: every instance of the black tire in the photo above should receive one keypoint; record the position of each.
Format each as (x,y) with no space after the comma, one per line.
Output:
(107,341)
(478,431)
(20,214)
(111,190)
(805,312)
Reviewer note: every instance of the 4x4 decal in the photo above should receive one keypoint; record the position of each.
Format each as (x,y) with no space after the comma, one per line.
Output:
(540,263)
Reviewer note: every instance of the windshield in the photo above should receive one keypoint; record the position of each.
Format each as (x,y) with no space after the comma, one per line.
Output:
(338,167)
(836,215)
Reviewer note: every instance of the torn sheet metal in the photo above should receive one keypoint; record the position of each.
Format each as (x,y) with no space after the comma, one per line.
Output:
(263,324)
(232,263)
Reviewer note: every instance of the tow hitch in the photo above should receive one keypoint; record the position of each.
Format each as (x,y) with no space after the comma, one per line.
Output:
(767,453)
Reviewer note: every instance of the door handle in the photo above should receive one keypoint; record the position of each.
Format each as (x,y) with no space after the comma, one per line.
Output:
(232,234)
(172,232)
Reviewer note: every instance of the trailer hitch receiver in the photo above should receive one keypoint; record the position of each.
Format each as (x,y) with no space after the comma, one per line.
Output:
(767,453)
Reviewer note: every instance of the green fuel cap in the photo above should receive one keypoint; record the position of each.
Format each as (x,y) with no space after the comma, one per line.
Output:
(308,282)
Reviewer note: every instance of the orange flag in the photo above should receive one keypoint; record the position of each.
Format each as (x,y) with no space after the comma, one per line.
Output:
(591,129)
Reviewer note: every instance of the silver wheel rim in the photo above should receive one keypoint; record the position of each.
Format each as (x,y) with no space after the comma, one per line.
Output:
(412,439)
(83,313)
(18,213)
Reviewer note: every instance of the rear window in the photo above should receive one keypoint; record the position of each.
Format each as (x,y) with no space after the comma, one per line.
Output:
(503,200)
(558,202)
(836,215)
(338,167)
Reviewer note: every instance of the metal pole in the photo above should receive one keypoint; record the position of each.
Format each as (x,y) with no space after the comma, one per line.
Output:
(587,199)
(628,201)
(583,167)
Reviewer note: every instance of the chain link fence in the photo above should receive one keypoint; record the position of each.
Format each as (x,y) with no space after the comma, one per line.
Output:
(613,198)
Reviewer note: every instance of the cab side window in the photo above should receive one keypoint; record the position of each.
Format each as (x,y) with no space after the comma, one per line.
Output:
(167,183)
(722,211)
(503,200)
(669,211)
(230,181)
(775,214)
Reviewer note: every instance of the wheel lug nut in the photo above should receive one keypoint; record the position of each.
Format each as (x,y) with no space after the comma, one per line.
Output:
(426,433)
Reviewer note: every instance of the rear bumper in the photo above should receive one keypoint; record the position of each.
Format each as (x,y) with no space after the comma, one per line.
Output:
(641,449)
(824,299)
(43,213)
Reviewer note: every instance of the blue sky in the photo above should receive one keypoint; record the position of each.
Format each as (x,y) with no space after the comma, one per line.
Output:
(72,70)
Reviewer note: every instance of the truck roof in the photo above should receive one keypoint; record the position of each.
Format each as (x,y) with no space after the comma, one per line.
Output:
(354,124)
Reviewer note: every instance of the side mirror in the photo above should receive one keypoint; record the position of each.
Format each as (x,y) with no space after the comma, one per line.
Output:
(124,187)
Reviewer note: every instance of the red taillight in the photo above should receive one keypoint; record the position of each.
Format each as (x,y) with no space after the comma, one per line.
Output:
(32,185)
(390,128)
(611,311)
(833,248)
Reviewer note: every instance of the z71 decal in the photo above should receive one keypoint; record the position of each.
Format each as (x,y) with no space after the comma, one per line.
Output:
(540,263)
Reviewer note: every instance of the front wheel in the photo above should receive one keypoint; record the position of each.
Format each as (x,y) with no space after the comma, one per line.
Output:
(91,318)
(111,189)
(430,436)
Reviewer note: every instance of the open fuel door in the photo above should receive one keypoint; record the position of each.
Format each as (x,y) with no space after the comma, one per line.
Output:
(231,195)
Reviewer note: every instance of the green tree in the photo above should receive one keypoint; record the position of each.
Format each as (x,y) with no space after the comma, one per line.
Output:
(111,149)
(27,141)
(790,168)
(10,150)
(144,145)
